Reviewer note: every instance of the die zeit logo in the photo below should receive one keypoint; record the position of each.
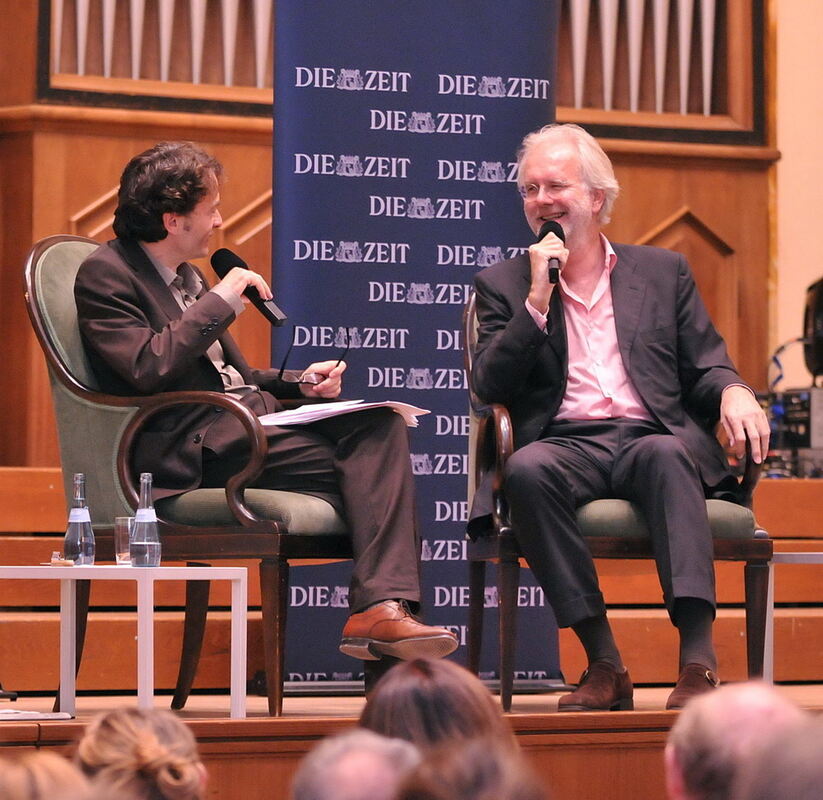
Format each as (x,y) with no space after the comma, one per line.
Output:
(352,79)
(463,169)
(439,463)
(425,207)
(426,121)
(356,337)
(458,597)
(421,378)
(351,251)
(420,294)
(351,166)
(494,86)
(444,550)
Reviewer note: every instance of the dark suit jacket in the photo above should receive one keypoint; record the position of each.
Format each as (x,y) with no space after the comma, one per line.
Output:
(140,342)
(674,356)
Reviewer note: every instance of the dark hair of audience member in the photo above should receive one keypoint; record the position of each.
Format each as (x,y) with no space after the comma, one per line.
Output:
(142,754)
(41,776)
(432,701)
(480,769)
(788,765)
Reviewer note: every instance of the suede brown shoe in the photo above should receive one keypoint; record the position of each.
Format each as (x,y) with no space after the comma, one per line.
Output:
(601,688)
(390,629)
(694,679)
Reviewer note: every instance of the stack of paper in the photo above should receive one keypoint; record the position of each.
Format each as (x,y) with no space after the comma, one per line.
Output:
(315,411)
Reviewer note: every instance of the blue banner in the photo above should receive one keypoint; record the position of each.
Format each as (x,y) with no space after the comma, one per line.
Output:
(395,129)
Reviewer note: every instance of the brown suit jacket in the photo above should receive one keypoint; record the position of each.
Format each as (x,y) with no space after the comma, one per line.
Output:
(140,342)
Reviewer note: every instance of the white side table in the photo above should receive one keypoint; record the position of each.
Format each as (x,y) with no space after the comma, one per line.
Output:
(145,578)
(768,645)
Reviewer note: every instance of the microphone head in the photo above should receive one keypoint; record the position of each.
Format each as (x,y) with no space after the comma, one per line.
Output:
(549,226)
(223,260)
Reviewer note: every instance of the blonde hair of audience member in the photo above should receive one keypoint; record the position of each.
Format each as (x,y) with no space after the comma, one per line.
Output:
(355,765)
(148,754)
(480,769)
(717,732)
(429,701)
(41,776)
(788,765)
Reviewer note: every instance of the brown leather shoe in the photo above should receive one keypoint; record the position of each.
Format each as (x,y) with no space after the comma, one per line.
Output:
(694,679)
(601,688)
(390,629)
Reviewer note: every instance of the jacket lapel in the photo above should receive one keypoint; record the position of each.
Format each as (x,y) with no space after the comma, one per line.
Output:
(628,290)
(137,259)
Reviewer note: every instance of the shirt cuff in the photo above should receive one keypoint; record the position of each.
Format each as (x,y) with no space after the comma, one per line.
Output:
(539,319)
(231,297)
(743,385)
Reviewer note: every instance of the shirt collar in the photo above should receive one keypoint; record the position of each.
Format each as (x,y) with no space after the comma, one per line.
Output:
(611,256)
(191,282)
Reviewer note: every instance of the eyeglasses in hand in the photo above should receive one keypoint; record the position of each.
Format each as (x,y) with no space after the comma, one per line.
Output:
(309,378)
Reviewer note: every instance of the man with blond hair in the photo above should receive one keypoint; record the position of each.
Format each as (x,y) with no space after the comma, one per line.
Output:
(614,376)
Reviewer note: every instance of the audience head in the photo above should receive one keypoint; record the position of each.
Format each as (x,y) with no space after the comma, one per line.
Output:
(145,754)
(715,734)
(41,776)
(356,765)
(428,702)
(480,769)
(169,177)
(788,765)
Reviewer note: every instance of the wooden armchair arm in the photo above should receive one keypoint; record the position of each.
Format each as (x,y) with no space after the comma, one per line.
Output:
(236,484)
(750,477)
(495,443)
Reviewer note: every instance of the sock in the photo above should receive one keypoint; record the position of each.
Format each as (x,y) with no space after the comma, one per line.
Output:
(595,635)
(693,618)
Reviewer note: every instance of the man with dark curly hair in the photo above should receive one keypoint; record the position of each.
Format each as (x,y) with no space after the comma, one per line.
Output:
(150,323)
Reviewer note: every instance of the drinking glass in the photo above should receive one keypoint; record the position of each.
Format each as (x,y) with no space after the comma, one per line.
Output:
(123,527)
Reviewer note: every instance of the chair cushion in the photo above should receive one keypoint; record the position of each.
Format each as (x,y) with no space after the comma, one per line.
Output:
(619,518)
(301,513)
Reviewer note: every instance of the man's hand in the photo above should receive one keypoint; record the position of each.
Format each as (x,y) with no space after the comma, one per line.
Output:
(329,387)
(238,278)
(743,418)
(541,290)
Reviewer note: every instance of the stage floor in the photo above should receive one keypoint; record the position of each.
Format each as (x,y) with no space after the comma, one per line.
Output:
(210,706)
(613,756)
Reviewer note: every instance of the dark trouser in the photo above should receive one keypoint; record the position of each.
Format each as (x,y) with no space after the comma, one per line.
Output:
(360,464)
(547,480)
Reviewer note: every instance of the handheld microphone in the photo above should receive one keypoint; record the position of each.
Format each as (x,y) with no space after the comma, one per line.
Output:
(552,226)
(222,261)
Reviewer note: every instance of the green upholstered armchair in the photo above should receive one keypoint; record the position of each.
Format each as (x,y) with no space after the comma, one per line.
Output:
(96,433)
(613,529)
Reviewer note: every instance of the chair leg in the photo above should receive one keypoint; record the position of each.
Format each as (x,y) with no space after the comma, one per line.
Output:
(274,596)
(81,593)
(194,627)
(477,588)
(756,579)
(508,583)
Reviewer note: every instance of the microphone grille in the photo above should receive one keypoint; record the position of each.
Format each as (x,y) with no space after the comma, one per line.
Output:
(552,226)
(223,260)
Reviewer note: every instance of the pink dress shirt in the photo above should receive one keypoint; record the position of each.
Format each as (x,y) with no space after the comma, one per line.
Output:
(597,386)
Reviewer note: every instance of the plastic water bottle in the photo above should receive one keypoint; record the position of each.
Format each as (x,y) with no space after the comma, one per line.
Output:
(144,546)
(78,545)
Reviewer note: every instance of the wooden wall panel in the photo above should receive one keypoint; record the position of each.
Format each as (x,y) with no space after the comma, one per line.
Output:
(62,168)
